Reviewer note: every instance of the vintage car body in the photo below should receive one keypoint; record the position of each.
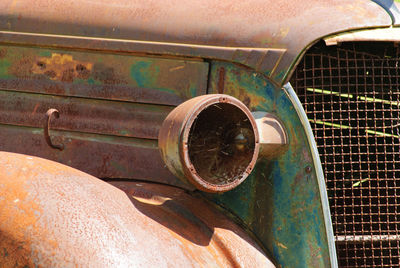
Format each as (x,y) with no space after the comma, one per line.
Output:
(115,70)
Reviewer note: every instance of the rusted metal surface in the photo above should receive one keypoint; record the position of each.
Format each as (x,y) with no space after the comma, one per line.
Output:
(281,201)
(211,141)
(374,35)
(104,99)
(54,216)
(101,75)
(261,59)
(351,94)
(83,115)
(46,128)
(290,24)
(102,156)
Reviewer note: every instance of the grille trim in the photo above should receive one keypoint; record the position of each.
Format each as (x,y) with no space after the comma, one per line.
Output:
(319,172)
(341,89)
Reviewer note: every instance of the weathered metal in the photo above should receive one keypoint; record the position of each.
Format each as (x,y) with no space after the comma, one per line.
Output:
(83,115)
(46,128)
(103,156)
(371,35)
(54,216)
(283,201)
(114,78)
(250,26)
(101,75)
(211,141)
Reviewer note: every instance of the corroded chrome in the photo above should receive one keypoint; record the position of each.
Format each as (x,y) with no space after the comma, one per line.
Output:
(211,141)
(273,136)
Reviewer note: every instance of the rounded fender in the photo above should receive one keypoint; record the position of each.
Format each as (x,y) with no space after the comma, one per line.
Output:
(56,216)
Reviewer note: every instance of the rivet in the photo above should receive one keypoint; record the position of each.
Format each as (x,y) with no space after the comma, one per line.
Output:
(308,169)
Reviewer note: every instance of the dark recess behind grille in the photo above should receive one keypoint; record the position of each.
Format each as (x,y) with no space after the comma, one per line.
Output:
(351,96)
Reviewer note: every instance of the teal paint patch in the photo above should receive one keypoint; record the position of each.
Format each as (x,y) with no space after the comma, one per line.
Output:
(240,198)
(92,81)
(142,73)
(193,91)
(145,74)
(279,202)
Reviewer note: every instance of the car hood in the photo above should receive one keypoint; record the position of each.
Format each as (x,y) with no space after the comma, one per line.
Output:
(290,25)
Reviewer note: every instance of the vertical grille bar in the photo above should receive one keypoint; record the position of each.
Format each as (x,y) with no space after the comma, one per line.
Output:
(351,96)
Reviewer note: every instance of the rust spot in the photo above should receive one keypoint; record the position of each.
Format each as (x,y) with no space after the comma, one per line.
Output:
(82,71)
(3,52)
(50,74)
(61,67)
(68,75)
(41,65)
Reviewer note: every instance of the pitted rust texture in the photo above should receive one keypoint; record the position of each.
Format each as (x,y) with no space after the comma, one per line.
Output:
(256,28)
(83,115)
(101,76)
(104,100)
(102,156)
(62,67)
(53,215)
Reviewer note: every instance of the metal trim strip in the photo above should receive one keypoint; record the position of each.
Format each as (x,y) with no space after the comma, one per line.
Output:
(269,57)
(318,169)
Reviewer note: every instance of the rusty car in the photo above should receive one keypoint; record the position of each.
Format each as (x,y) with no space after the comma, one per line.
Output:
(208,133)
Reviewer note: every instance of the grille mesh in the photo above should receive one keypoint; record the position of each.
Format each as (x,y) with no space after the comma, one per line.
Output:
(351,96)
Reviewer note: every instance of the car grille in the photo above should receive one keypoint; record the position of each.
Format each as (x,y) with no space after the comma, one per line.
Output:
(351,96)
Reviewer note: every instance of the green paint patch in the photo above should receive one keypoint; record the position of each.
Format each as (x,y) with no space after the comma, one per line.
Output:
(92,81)
(80,81)
(124,132)
(358,183)
(45,53)
(4,66)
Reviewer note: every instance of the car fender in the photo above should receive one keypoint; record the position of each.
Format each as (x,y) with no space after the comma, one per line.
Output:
(55,216)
